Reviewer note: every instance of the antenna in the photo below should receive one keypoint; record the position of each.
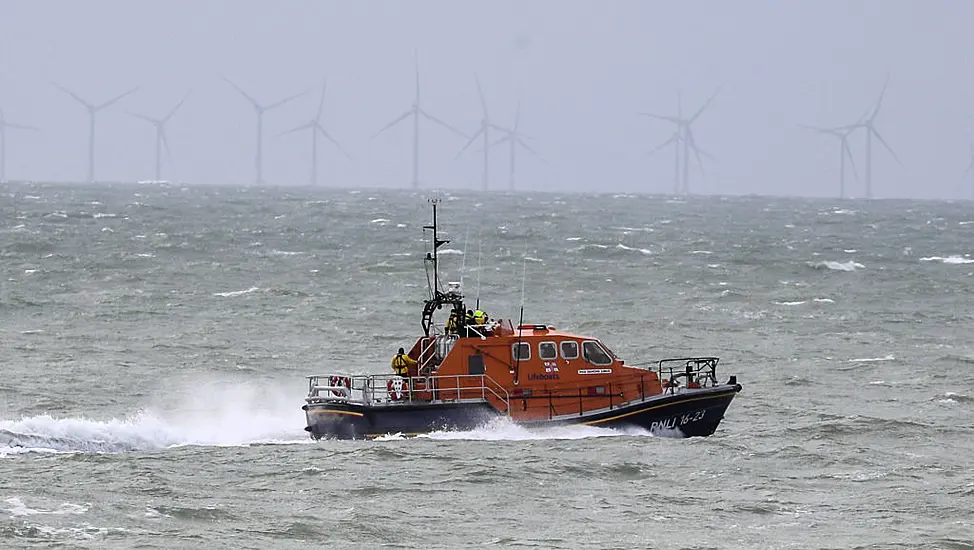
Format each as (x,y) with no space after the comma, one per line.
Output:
(463,262)
(480,247)
(520,323)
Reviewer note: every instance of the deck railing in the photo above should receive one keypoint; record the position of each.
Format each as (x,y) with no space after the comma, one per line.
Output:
(391,389)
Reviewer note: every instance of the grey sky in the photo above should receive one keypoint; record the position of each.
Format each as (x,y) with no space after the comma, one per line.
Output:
(582,69)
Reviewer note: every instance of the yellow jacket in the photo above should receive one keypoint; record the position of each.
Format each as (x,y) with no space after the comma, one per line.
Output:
(401,364)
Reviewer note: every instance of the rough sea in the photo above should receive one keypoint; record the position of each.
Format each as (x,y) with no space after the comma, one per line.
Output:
(155,341)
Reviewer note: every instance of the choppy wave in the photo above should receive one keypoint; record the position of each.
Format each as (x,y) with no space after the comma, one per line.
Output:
(229,417)
(948,259)
(503,429)
(850,265)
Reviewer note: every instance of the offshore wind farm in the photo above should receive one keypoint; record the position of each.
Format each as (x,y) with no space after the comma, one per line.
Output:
(452,133)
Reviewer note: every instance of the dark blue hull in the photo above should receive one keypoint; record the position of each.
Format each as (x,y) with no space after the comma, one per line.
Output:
(689,414)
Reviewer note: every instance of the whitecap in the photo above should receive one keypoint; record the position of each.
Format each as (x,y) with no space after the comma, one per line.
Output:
(851,265)
(824,300)
(949,259)
(233,293)
(379,220)
(873,359)
(450,251)
(642,250)
(798,303)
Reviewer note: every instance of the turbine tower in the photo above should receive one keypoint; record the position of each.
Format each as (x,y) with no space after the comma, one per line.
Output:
(867,123)
(684,135)
(844,151)
(415,111)
(483,130)
(260,110)
(316,128)
(161,141)
(513,138)
(3,143)
(92,111)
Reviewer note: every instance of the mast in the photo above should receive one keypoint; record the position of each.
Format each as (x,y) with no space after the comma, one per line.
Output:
(437,297)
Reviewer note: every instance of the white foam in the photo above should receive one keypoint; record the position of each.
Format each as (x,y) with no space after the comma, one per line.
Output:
(210,414)
(450,251)
(824,300)
(798,303)
(873,359)
(233,293)
(949,259)
(504,429)
(642,250)
(379,220)
(17,508)
(851,265)
(706,252)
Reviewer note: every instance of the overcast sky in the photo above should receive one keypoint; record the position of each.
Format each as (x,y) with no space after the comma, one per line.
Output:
(582,69)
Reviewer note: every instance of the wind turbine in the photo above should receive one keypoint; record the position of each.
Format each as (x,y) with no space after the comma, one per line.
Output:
(316,128)
(513,138)
(260,109)
(483,130)
(867,123)
(684,135)
(676,139)
(161,141)
(844,151)
(92,111)
(3,143)
(415,111)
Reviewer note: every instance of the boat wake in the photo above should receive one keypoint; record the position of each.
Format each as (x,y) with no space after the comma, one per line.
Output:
(504,429)
(244,422)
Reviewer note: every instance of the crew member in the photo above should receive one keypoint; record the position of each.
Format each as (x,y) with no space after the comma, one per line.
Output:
(451,323)
(479,318)
(402,362)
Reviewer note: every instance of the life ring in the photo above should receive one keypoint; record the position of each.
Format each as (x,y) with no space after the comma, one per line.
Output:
(396,387)
(338,381)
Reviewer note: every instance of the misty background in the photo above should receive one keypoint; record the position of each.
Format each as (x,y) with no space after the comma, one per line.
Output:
(582,71)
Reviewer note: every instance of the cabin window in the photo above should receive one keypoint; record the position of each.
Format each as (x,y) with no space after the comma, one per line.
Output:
(595,353)
(547,351)
(521,351)
(569,349)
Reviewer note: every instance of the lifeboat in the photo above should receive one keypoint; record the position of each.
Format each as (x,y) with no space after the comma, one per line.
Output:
(466,372)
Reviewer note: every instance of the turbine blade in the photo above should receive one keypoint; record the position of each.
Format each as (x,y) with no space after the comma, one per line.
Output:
(398,119)
(304,126)
(501,128)
(886,145)
(473,138)
(325,133)
(416,59)
(848,152)
(283,101)
(653,151)
(517,115)
(165,145)
(243,93)
(72,94)
(504,139)
(705,105)
(697,151)
(483,102)
(879,101)
(530,150)
(443,124)
(673,119)
(145,118)
(115,99)
(321,103)
(831,131)
(176,108)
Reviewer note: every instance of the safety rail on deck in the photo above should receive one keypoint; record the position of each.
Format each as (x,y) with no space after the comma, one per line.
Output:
(693,372)
(394,389)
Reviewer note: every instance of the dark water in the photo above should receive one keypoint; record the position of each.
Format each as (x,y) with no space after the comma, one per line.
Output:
(155,342)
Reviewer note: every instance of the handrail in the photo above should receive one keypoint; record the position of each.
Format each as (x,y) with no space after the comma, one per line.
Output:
(372,388)
(700,372)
